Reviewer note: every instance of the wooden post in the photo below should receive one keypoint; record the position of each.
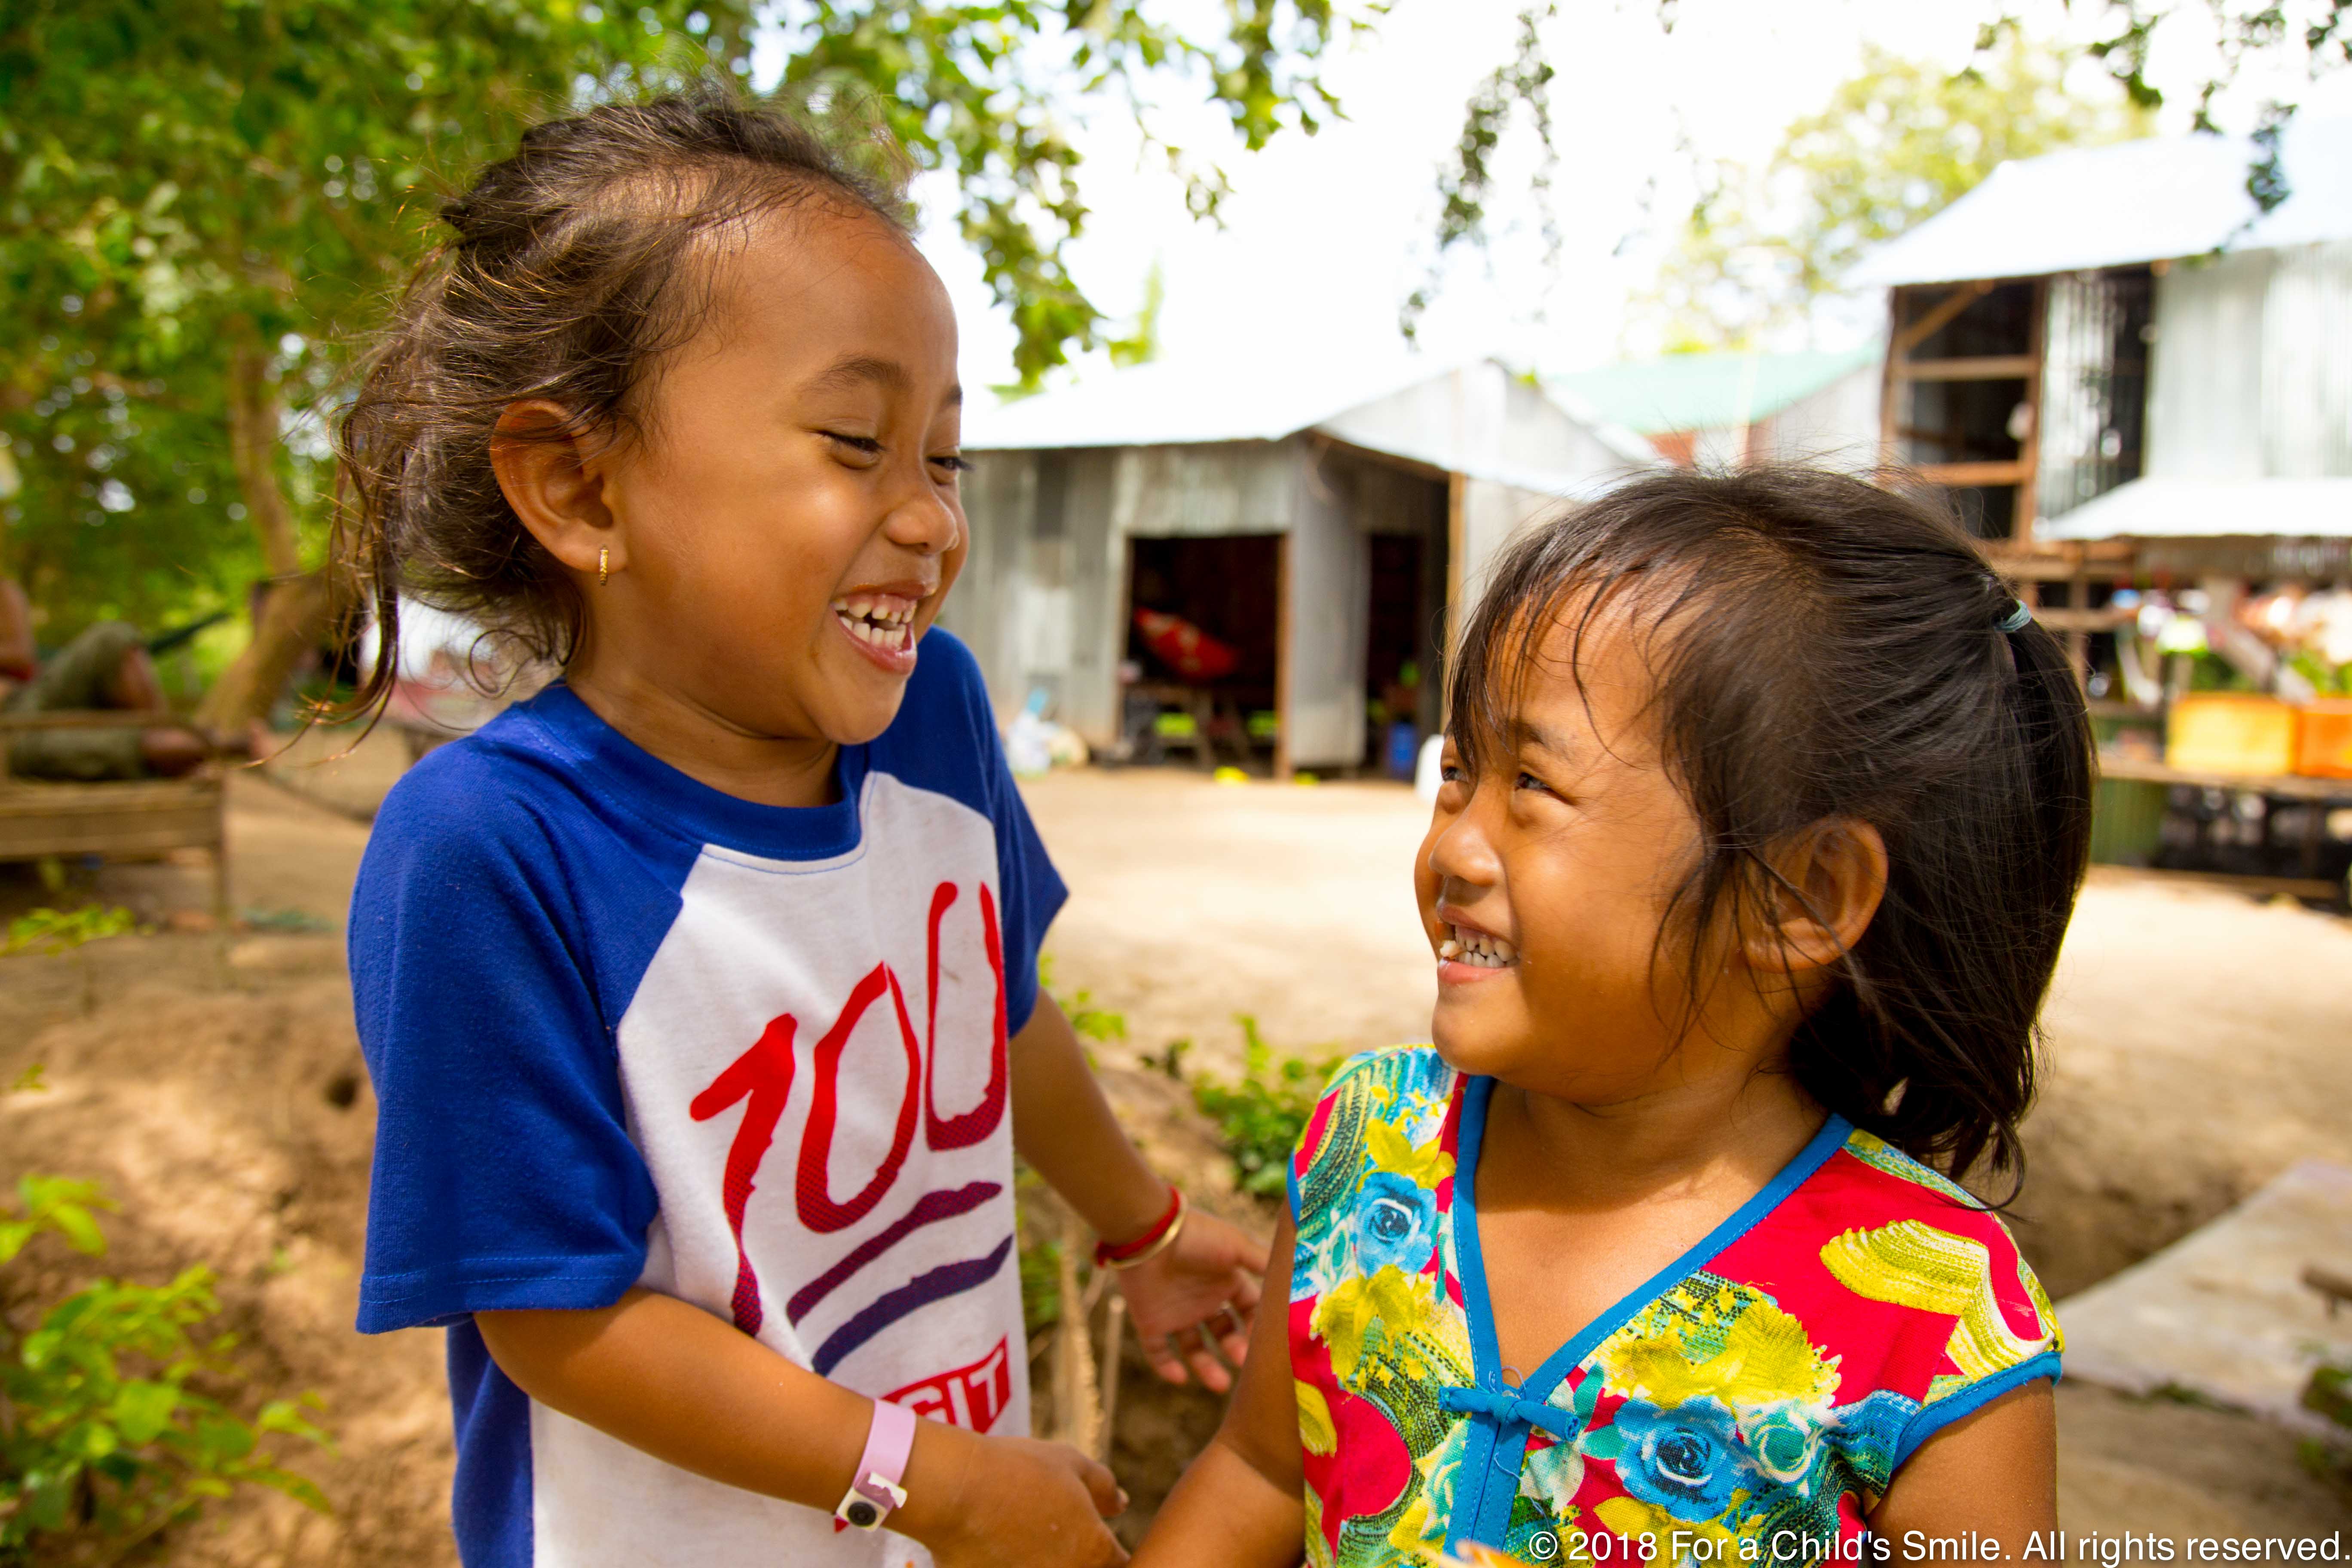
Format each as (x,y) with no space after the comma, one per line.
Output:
(1078,1412)
(1282,681)
(2022,516)
(1114,1347)
(1458,545)
(1890,424)
(2078,640)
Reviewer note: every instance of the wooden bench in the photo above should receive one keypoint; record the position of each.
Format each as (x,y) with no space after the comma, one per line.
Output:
(133,819)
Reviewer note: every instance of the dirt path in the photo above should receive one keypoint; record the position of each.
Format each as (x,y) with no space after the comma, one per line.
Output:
(216,1092)
(221,1104)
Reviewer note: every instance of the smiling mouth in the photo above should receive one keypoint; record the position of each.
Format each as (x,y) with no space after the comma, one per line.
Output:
(887,621)
(1478,950)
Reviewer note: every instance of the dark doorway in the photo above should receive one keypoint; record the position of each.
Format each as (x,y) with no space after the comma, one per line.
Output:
(1228,588)
(1404,513)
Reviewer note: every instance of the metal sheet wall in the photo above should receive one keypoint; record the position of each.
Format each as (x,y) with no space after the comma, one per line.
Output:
(2252,373)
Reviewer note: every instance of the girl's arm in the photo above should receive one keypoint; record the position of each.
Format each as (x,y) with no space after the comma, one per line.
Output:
(694,1391)
(1238,1505)
(1064,1128)
(1993,1472)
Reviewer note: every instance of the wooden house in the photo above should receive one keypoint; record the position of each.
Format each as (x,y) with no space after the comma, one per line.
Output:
(2116,342)
(1322,522)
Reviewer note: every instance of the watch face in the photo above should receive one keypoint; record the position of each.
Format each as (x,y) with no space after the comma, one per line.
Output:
(864,1514)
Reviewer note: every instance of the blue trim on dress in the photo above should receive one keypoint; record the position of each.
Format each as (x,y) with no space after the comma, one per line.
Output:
(1490,1512)
(1934,1418)
(1478,1454)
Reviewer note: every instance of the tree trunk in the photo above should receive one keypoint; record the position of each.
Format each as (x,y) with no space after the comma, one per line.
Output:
(295,617)
(297,612)
(253,431)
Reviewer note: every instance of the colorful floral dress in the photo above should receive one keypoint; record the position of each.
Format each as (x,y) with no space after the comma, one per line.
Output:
(1747,1402)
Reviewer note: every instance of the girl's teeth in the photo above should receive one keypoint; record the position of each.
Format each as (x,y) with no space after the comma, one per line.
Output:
(1479,949)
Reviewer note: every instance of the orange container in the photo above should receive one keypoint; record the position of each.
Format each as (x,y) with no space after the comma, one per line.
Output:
(2231,732)
(2325,750)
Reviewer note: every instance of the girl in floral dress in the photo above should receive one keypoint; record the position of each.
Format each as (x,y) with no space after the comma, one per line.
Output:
(1765,808)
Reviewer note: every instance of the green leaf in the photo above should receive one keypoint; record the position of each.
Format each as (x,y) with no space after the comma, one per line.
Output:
(142,1409)
(79,1227)
(48,1495)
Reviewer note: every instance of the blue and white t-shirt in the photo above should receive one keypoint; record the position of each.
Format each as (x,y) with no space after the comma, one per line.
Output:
(625,1030)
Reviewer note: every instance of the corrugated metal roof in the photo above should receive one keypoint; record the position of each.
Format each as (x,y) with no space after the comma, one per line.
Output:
(1191,402)
(1174,402)
(1707,391)
(2211,509)
(2134,202)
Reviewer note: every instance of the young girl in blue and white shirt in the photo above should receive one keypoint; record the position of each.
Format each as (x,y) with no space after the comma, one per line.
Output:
(700,992)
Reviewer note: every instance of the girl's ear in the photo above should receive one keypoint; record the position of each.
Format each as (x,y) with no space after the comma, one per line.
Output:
(1831,879)
(554,480)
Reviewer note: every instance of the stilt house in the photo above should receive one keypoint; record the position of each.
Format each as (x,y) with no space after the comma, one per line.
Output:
(2117,342)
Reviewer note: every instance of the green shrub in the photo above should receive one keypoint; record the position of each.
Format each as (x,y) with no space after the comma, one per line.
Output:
(1262,1117)
(1086,1020)
(55,930)
(102,1440)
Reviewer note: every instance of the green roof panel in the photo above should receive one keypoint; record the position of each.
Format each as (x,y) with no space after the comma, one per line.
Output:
(1707,391)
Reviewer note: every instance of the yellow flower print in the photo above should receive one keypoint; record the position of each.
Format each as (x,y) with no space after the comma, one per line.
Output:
(1426,1165)
(1317,1433)
(1912,1264)
(1636,1521)
(1571,1551)
(1403,1303)
(1765,1357)
(1412,1531)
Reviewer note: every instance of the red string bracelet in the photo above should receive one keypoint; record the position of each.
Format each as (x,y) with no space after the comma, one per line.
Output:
(1163,1235)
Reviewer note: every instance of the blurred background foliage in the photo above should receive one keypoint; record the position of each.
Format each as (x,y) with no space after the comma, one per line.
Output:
(205,203)
(1897,144)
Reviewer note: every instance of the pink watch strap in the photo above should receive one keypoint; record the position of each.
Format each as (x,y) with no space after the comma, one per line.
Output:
(888,1443)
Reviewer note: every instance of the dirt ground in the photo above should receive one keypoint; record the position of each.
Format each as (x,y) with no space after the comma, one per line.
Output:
(214,1089)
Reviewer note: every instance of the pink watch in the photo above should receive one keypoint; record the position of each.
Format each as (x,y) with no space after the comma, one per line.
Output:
(875,1490)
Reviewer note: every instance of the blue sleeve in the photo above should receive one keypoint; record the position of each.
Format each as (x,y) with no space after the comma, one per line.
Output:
(504,1174)
(1032,891)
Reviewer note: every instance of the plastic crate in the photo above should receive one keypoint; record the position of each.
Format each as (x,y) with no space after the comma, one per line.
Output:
(2233,732)
(2325,750)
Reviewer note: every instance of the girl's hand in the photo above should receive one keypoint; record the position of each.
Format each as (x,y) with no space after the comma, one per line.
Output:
(1022,1503)
(1194,1298)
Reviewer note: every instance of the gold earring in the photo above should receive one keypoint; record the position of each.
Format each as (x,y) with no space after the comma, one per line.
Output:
(603,562)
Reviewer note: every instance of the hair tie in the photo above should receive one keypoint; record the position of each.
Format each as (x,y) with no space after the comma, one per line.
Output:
(2018,618)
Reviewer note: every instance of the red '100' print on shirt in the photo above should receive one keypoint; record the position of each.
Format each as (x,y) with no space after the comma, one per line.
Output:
(764,1077)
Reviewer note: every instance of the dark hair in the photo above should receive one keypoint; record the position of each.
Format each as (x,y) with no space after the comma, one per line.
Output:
(1824,649)
(566,274)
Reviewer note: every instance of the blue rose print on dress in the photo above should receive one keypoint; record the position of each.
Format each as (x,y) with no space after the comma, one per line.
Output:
(1686,1460)
(1396,1222)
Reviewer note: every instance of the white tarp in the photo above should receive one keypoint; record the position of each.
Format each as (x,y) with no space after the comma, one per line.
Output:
(2211,509)
(2115,207)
